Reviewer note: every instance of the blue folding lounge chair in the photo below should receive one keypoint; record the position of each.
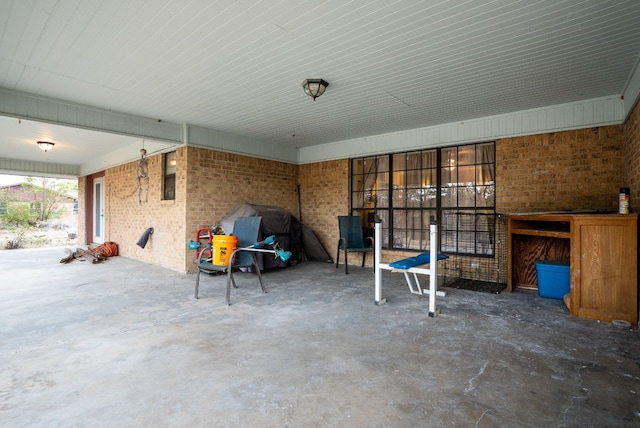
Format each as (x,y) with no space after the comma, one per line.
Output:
(351,239)
(246,229)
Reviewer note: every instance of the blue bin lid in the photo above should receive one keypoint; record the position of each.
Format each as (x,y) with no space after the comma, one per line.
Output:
(552,262)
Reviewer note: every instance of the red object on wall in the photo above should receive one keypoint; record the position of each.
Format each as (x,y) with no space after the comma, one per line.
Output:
(204,236)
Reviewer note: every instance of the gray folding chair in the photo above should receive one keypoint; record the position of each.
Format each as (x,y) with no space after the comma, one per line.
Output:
(247,230)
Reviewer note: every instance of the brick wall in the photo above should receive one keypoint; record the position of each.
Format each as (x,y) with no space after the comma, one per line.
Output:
(324,193)
(571,170)
(218,181)
(632,158)
(208,185)
(126,218)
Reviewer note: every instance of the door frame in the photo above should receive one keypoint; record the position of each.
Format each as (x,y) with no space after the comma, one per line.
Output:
(89,207)
(97,236)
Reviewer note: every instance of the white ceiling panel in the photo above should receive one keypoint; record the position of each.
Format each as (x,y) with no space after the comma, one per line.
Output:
(86,144)
(235,66)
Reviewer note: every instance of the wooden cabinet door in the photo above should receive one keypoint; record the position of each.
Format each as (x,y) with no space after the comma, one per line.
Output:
(603,268)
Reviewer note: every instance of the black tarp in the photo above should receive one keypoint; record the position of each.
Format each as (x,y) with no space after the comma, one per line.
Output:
(290,234)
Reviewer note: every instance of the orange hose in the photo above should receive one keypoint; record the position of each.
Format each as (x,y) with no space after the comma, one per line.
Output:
(108,249)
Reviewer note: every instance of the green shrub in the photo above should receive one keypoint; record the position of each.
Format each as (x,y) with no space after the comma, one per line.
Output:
(20,215)
(17,241)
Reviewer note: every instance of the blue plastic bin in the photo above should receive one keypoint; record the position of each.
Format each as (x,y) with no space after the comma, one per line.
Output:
(553,278)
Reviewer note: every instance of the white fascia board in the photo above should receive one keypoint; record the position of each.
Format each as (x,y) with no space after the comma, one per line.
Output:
(211,139)
(631,93)
(125,155)
(563,117)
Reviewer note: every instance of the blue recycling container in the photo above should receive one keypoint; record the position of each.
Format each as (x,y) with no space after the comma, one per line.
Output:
(553,278)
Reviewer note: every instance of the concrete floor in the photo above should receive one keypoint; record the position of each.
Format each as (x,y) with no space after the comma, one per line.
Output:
(124,343)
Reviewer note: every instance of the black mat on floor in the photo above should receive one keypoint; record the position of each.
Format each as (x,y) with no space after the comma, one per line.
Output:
(486,287)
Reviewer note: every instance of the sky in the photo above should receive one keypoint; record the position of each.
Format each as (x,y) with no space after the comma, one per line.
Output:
(6,180)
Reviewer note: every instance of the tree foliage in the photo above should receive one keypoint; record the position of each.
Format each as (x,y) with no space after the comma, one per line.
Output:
(39,200)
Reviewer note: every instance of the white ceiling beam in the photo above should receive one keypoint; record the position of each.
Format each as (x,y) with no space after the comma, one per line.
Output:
(39,108)
(38,169)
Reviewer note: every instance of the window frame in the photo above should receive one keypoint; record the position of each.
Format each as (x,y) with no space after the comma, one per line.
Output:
(169,167)
(403,195)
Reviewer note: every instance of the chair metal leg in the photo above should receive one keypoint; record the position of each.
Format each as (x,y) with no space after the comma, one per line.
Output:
(197,282)
(233,280)
(346,263)
(363,256)
(229,280)
(257,268)
(338,256)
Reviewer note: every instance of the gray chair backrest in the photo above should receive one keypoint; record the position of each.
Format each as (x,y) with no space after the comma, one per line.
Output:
(247,229)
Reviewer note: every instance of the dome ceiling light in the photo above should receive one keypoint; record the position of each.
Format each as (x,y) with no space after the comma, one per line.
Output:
(45,146)
(314,87)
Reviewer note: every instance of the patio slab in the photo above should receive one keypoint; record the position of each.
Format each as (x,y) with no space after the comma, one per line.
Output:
(124,343)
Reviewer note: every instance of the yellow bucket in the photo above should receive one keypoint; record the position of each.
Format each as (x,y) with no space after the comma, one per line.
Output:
(223,247)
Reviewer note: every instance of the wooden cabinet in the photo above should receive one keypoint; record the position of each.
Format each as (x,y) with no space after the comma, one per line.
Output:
(601,249)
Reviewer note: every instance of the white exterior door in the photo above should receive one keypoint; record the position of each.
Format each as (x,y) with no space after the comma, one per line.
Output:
(98,210)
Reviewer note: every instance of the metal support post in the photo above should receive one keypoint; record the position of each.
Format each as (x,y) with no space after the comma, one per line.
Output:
(377,257)
(433,268)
